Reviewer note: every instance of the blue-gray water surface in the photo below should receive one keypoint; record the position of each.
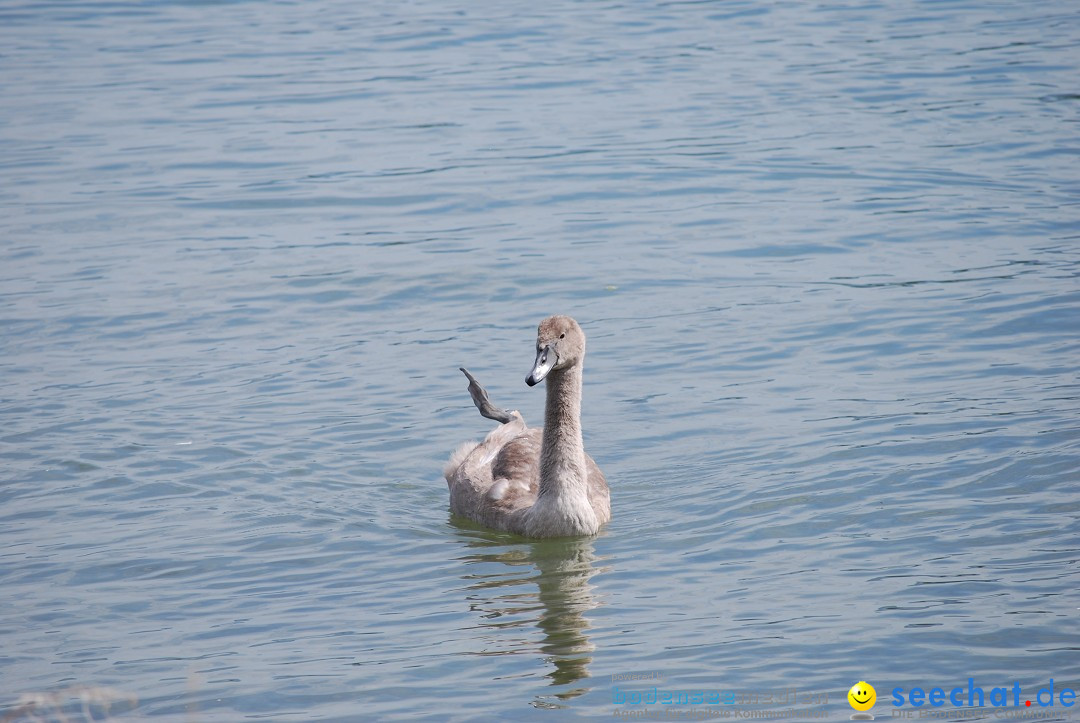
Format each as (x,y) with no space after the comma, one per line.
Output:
(826,255)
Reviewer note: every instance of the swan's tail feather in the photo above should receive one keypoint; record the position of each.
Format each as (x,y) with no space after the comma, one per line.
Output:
(457,458)
(480,399)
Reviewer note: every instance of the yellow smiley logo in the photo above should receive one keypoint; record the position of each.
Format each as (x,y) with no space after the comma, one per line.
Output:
(862,696)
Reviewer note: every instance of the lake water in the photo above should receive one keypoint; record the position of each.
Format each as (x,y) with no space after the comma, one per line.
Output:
(826,255)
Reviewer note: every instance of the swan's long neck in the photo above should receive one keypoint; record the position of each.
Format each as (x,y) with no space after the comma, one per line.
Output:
(562,458)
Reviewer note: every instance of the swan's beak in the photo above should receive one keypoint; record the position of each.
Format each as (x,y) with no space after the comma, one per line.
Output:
(546,358)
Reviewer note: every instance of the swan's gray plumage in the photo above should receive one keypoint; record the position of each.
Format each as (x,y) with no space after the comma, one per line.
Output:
(538,483)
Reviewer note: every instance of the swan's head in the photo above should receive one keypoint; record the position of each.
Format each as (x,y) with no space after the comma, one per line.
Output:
(560,344)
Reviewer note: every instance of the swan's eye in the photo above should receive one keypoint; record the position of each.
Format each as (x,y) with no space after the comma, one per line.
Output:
(562,336)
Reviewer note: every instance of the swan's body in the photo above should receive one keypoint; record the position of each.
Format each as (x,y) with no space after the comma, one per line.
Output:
(537,483)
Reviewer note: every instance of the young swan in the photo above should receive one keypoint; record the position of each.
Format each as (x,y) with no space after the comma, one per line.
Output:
(537,483)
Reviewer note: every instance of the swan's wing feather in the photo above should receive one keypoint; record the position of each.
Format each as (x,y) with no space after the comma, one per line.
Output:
(519,460)
(499,477)
(599,495)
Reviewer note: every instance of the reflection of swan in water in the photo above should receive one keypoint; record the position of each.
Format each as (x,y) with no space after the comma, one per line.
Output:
(565,595)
